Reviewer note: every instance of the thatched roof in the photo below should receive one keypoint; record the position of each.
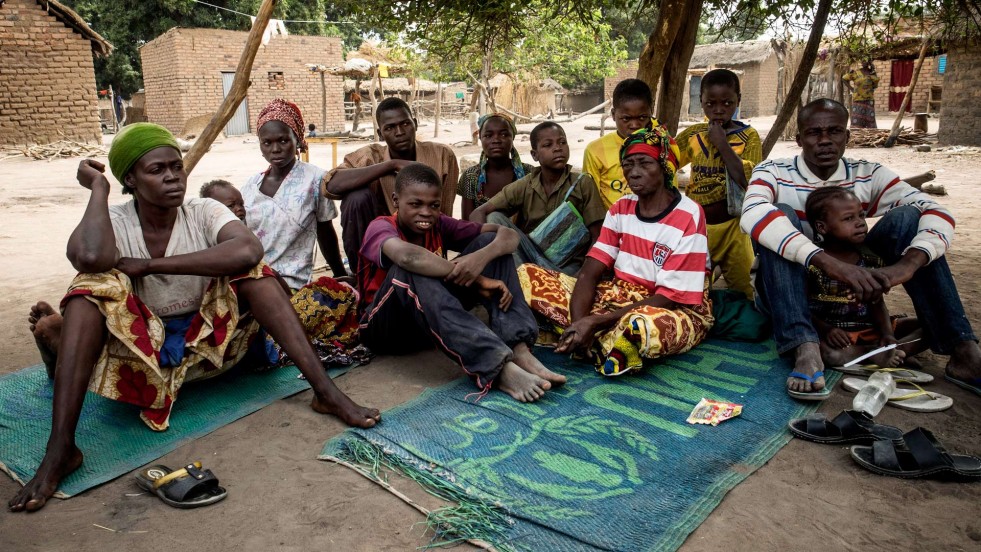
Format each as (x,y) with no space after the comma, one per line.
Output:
(730,54)
(72,20)
(393,84)
(904,47)
(502,79)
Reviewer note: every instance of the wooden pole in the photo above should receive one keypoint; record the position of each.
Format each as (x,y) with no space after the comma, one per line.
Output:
(237,93)
(374,103)
(792,99)
(357,105)
(323,103)
(439,107)
(894,133)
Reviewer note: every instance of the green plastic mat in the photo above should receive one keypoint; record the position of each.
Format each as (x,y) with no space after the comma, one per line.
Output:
(599,464)
(111,435)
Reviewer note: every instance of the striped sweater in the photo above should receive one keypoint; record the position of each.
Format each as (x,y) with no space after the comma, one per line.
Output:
(667,254)
(789,181)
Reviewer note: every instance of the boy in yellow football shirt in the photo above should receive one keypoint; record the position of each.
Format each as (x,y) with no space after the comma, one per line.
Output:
(716,149)
(633,109)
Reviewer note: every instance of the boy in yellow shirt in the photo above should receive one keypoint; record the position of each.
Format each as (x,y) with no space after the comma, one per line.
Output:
(716,149)
(633,109)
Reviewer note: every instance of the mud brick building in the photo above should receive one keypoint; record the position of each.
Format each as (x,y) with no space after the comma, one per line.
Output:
(186,73)
(960,112)
(47,76)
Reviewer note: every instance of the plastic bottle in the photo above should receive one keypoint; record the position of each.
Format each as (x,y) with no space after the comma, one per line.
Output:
(874,395)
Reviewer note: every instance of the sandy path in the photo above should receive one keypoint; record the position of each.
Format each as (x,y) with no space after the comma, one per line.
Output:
(809,497)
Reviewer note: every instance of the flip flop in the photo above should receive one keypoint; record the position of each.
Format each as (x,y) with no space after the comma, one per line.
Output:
(918,455)
(188,487)
(813,395)
(851,426)
(973,385)
(866,370)
(915,400)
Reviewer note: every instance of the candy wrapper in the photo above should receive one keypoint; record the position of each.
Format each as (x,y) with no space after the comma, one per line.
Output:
(712,412)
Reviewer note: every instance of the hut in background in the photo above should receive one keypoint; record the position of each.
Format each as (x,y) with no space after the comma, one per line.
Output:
(47,79)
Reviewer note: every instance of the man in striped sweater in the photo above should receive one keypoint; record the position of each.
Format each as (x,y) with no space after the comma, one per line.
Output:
(911,237)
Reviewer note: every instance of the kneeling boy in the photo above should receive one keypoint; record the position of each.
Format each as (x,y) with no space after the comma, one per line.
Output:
(412,295)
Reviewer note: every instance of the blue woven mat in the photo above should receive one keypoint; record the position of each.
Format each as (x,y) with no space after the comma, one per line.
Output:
(111,434)
(605,464)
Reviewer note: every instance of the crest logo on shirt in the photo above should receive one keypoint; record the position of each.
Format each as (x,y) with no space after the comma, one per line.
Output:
(661,253)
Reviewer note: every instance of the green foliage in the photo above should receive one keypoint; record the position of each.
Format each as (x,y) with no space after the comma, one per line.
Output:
(128,24)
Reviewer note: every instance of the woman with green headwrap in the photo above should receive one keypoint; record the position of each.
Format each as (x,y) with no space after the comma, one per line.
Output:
(499,164)
(168,292)
(654,242)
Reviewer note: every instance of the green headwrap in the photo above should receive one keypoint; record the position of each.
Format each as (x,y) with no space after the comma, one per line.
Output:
(133,142)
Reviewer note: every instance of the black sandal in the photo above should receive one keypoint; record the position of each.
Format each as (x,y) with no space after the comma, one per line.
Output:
(188,487)
(918,455)
(851,426)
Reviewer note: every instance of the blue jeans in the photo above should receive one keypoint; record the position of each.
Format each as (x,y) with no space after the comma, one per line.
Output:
(781,287)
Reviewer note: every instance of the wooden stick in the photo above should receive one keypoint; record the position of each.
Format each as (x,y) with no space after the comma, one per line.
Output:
(891,141)
(439,98)
(237,93)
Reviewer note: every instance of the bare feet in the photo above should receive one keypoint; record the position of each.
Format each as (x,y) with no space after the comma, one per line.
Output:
(348,411)
(521,385)
(55,467)
(808,362)
(965,363)
(527,362)
(46,327)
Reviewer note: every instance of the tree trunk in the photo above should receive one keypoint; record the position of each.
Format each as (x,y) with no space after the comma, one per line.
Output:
(792,100)
(357,105)
(240,85)
(674,76)
(891,140)
(654,56)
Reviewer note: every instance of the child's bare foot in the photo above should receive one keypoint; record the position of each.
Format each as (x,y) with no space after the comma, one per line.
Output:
(525,360)
(46,327)
(808,362)
(521,385)
(57,464)
(888,359)
(348,411)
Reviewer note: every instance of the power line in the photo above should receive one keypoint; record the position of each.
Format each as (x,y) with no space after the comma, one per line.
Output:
(284,21)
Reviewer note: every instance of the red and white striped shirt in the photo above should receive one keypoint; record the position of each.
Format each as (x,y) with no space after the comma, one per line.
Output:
(789,182)
(667,254)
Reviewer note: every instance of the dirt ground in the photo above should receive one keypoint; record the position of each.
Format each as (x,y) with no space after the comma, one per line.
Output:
(809,497)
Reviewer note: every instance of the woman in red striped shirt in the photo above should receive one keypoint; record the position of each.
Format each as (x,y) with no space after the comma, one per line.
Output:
(654,242)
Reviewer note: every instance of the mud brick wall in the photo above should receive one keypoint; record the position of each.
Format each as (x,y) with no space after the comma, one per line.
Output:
(929,77)
(182,75)
(960,115)
(47,79)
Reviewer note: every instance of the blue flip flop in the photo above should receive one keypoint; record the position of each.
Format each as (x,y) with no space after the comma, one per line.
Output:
(973,385)
(814,395)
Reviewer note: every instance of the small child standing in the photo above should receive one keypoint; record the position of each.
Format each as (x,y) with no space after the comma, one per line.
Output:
(633,109)
(848,327)
(721,150)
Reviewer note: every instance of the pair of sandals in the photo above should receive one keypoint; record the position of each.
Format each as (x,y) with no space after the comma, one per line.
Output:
(915,400)
(886,450)
(188,487)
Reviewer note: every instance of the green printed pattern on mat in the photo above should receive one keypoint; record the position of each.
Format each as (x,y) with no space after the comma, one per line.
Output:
(111,434)
(605,464)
